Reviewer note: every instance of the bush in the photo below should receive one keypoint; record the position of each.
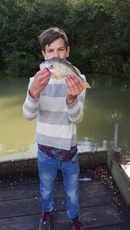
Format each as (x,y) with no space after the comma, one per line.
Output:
(98,30)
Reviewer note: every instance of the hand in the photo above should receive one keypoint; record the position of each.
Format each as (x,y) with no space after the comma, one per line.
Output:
(39,83)
(74,88)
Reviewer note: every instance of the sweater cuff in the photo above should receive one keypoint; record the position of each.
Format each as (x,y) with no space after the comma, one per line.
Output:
(71,106)
(31,99)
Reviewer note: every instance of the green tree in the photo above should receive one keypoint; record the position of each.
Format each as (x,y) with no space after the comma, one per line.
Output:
(98,30)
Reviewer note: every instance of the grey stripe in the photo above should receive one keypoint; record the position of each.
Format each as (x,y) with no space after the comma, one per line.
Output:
(29,109)
(58,91)
(62,143)
(74,115)
(81,99)
(78,120)
(57,118)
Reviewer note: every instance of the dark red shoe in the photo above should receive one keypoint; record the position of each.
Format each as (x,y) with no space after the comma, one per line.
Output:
(46,221)
(76,224)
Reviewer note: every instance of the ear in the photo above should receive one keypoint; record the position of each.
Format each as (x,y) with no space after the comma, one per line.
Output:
(68,51)
(43,54)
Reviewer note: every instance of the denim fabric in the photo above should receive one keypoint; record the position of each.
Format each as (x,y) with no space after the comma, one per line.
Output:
(48,167)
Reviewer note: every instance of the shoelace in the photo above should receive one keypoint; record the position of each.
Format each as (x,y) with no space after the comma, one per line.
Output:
(77,224)
(46,216)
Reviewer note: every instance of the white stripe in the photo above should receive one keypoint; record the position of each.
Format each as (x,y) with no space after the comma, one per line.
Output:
(29,115)
(32,104)
(74,109)
(55,81)
(81,105)
(56,130)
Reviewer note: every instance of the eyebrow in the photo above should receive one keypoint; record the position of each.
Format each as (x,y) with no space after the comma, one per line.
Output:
(48,49)
(61,47)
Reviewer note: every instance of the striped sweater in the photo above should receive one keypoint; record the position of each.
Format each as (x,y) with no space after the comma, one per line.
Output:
(56,120)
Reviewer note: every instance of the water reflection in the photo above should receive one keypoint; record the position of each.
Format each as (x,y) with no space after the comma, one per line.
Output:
(17,135)
(106,103)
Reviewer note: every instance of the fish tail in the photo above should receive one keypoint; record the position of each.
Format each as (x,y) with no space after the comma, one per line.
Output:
(85,85)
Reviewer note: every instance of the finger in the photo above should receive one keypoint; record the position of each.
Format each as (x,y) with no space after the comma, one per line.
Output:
(43,72)
(42,75)
(73,83)
(69,84)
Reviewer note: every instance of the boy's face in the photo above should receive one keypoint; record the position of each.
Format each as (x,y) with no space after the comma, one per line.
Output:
(56,49)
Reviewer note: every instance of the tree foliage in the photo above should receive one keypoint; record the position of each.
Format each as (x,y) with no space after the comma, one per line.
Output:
(98,30)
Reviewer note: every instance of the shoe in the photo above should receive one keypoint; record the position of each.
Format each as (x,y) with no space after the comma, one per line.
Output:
(46,221)
(76,224)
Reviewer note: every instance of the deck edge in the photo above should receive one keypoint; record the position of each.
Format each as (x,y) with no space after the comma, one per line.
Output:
(120,177)
(29,166)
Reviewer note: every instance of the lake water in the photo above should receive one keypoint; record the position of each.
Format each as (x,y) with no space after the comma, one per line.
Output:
(107,103)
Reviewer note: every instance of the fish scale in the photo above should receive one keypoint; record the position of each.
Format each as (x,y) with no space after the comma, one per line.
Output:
(60,67)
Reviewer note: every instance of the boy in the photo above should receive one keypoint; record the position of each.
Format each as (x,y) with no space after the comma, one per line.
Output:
(58,106)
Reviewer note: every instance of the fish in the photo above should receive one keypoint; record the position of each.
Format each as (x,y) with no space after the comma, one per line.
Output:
(60,68)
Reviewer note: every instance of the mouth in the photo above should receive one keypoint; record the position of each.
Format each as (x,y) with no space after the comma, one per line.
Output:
(49,67)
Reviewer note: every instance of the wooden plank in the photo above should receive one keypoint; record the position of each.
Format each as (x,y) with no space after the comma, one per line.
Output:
(103,215)
(90,195)
(90,217)
(19,192)
(32,190)
(123,226)
(121,179)
(12,208)
(20,206)
(20,223)
(16,180)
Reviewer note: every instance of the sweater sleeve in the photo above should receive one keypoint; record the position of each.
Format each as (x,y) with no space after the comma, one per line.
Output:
(30,106)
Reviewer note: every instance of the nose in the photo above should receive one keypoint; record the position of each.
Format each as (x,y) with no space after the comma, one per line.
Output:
(56,54)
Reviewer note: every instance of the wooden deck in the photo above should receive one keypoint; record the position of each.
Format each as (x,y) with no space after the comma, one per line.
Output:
(101,205)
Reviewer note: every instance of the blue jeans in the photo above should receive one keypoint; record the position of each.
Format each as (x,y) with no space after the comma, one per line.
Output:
(48,167)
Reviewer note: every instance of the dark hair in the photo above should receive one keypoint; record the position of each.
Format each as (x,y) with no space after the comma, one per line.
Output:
(50,35)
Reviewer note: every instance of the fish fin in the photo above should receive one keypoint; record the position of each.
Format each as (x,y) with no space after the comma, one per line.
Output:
(85,85)
(77,70)
(57,77)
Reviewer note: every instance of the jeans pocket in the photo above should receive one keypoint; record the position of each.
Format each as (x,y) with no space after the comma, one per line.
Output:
(42,157)
(74,159)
